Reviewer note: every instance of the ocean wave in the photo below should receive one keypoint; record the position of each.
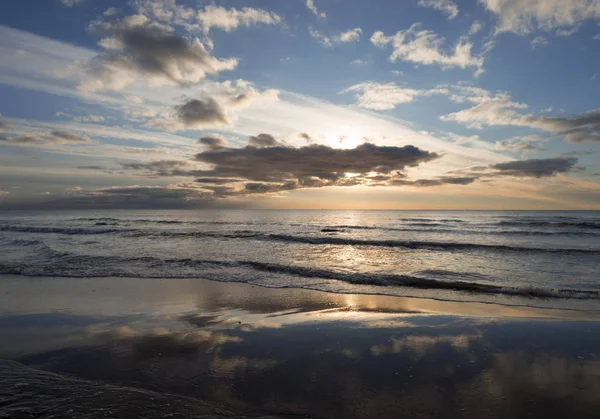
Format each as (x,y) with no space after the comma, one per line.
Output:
(61,230)
(553,224)
(327,239)
(411,244)
(229,271)
(347,241)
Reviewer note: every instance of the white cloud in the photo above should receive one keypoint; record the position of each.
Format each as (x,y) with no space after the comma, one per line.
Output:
(597,37)
(475,27)
(359,61)
(566,32)
(397,73)
(539,41)
(111,11)
(351,35)
(425,47)
(213,16)
(310,5)
(521,144)
(501,110)
(71,3)
(40,68)
(489,110)
(445,6)
(90,118)
(202,20)
(379,96)
(526,16)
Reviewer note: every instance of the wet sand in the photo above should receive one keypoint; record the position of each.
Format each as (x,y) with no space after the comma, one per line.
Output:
(194,347)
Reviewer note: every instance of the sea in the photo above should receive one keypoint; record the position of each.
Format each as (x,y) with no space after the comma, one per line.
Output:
(533,258)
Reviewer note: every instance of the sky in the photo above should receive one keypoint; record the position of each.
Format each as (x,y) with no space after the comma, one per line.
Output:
(342,104)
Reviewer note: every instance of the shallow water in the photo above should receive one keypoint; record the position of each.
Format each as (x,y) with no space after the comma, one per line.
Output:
(196,348)
(528,258)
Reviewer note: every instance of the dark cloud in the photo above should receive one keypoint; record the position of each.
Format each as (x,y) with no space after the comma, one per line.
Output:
(266,166)
(91,168)
(263,140)
(213,141)
(156,166)
(305,136)
(66,136)
(198,113)
(136,46)
(53,137)
(517,146)
(28,139)
(216,180)
(4,124)
(535,167)
(442,180)
(577,153)
(279,163)
(134,197)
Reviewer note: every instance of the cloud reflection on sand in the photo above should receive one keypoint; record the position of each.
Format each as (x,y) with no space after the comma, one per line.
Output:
(323,355)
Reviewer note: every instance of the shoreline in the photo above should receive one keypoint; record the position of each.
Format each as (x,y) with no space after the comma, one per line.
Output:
(425,304)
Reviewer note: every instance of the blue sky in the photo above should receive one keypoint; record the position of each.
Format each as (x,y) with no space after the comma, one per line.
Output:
(300,104)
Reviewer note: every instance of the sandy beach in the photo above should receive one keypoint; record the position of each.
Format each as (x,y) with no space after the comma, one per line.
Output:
(227,349)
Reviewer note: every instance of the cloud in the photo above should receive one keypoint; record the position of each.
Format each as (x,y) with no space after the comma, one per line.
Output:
(359,61)
(527,16)
(137,47)
(380,96)
(535,167)
(134,197)
(202,20)
(539,41)
(53,137)
(351,35)
(488,110)
(200,113)
(215,108)
(532,168)
(159,167)
(475,28)
(71,3)
(4,124)
(213,16)
(91,167)
(310,5)
(213,141)
(265,165)
(501,110)
(424,47)
(90,118)
(111,11)
(520,144)
(263,140)
(446,6)
(280,163)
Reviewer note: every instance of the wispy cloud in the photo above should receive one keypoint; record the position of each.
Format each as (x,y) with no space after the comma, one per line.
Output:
(424,47)
(351,35)
(446,6)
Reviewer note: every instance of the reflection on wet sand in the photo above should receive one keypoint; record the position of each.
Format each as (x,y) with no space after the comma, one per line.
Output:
(297,352)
